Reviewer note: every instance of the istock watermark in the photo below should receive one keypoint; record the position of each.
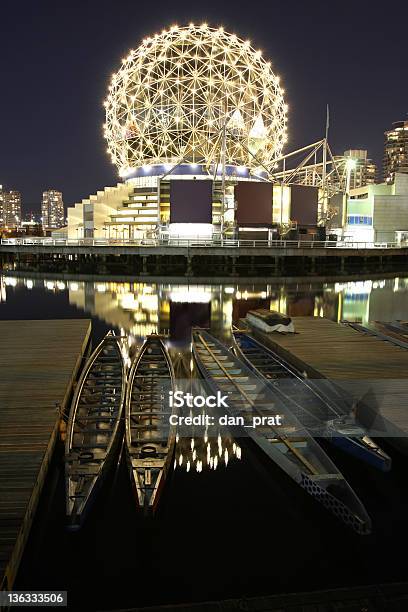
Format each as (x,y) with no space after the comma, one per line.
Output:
(178,399)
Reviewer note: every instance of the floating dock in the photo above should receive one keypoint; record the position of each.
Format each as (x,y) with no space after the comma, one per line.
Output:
(373,370)
(39,361)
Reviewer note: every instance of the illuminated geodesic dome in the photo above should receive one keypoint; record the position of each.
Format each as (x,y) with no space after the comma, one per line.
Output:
(194,94)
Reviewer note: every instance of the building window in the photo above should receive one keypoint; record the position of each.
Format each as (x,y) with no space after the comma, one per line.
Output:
(359,220)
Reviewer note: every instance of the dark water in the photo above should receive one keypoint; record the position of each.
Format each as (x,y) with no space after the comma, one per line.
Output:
(239,530)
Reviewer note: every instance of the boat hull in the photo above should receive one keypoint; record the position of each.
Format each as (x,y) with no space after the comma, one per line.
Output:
(357,444)
(150,439)
(95,428)
(291,448)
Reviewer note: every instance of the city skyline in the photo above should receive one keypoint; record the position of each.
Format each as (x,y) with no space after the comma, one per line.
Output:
(67,83)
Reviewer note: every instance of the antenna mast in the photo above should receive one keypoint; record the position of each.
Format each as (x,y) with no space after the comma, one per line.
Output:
(326,136)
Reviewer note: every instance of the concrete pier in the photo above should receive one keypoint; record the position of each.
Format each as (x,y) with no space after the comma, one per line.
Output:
(194,259)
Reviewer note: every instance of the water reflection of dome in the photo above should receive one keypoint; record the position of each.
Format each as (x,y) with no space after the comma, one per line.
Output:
(149,306)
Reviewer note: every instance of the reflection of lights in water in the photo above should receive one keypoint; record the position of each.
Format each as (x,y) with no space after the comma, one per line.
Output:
(279,304)
(125,343)
(380,284)
(131,340)
(195,454)
(149,301)
(3,293)
(357,287)
(142,309)
(128,301)
(191,295)
(137,301)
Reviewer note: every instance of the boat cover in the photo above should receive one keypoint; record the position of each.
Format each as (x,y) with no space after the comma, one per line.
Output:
(270,321)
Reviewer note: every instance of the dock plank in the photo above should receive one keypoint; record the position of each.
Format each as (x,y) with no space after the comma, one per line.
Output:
(39,361)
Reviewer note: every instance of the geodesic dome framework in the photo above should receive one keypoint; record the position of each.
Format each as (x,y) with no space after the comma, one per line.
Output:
(189,93)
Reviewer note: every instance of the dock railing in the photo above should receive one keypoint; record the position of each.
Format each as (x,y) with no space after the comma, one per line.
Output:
(191,242)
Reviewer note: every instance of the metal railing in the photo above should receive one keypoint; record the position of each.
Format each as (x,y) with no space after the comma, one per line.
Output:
(201,242)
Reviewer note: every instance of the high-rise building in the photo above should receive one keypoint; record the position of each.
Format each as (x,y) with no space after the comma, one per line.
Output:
(52,209)
(11,209)
(364,171)
(396,150)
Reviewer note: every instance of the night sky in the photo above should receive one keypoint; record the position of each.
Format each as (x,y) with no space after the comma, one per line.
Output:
(56,59)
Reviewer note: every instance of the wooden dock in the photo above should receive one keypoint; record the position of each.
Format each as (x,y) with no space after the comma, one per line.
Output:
(39,361)
(372,370)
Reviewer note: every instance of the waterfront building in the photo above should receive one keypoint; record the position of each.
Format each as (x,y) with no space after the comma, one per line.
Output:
(207,117)
(52,209)
(10,209)
(378,213)
(396,150)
